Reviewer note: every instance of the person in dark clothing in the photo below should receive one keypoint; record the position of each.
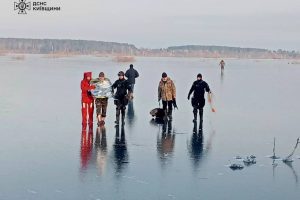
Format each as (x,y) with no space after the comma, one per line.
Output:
(131,75)
(222,64)
(121,97)
(199,88)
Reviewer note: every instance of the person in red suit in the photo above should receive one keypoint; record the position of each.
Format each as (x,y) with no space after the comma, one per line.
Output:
(87,100)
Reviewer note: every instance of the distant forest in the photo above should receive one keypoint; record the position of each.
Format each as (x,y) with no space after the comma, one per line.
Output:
(87,47)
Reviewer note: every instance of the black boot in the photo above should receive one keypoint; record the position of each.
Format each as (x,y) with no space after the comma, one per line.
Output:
(195,127)
(195,115)
(201,119)
(123,119)
(117,116)
(165,118)
(117,120)
(123,116)
(170,115)
(170,126)
(164,127)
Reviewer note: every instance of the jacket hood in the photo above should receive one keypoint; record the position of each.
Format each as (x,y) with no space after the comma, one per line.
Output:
(86,75)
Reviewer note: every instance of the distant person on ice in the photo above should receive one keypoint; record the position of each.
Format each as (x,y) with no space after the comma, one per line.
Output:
(199,88)
(131,75)
(87,100)
(222,64)
(101,94)
(167,93)
(121,97)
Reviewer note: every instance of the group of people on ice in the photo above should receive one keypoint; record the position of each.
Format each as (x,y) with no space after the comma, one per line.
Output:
(97,91)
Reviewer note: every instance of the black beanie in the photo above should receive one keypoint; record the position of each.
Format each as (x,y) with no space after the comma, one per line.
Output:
(199,75)
(164,75)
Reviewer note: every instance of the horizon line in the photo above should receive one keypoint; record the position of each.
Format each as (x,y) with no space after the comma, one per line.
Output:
(205,45)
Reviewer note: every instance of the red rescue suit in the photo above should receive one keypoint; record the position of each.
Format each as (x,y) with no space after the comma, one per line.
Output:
(87,101)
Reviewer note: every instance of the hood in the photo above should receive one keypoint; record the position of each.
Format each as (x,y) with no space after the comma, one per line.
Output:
(86,75)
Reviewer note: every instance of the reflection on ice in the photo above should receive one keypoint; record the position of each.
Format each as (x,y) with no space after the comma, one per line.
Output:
(130,114)
(290,165)
(196,147)
(120,152)
(101,149)
(165,143)
(86,148)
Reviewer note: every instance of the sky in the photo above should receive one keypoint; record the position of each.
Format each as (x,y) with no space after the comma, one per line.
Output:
(271,24)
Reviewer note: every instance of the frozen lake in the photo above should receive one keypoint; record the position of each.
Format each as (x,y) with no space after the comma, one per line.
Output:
(44,155)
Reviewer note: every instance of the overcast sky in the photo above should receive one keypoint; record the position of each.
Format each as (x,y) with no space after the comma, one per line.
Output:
(271,24)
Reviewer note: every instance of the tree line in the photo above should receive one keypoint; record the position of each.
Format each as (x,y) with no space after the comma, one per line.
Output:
(88,47)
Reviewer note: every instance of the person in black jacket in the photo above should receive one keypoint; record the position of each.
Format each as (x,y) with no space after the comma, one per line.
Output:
(199,88)
(131,75)
(121,97)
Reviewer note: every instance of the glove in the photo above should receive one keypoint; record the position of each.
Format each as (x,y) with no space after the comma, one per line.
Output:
(189,97)
(174,103)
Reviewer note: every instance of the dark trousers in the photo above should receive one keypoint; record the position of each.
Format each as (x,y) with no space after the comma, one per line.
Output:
(195,111)
(120,107)
(198,104)
(120,110)
(167,105)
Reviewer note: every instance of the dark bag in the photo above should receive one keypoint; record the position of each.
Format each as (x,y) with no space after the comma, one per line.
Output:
(158,113)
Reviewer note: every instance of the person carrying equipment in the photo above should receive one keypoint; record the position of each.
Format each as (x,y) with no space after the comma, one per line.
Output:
(101,94)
